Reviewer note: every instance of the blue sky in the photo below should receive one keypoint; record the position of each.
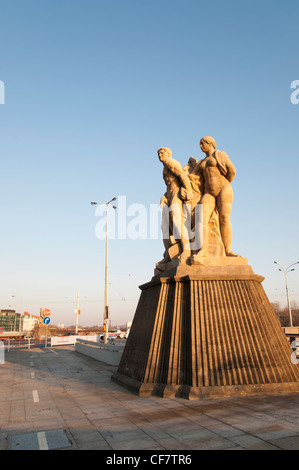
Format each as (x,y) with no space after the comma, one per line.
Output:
(92,89)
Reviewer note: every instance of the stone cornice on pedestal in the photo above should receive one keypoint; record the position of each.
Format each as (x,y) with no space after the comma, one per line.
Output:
(232,270)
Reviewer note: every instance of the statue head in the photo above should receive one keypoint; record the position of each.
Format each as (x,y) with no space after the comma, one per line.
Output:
(192,161)
(163,153)
(204,141)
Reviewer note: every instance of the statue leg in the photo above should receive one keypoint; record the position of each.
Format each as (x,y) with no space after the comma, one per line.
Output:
(173,232)
(178,228)
(167,233)
(224,204)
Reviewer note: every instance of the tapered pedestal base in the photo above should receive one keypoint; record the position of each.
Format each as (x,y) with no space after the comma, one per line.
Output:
(206,332)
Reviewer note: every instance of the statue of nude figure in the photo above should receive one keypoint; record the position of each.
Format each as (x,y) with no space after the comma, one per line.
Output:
(218,172)
(175,178)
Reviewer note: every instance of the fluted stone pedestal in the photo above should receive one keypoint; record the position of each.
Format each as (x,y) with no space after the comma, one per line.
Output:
(206,331)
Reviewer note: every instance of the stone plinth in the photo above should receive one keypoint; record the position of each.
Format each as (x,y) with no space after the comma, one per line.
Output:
(206,331)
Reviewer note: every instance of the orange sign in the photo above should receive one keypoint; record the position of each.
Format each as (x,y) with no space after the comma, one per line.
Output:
(47,311)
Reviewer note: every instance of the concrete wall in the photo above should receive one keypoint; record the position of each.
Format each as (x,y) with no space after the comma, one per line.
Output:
(108,353)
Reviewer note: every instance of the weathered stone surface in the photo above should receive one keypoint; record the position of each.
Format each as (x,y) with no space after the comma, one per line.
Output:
(204,326)
(197,204)
(206,333)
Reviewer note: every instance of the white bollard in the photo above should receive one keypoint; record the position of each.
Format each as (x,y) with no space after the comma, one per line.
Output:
(2,352)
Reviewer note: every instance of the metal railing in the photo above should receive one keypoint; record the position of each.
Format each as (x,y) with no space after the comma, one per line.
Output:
(26,343)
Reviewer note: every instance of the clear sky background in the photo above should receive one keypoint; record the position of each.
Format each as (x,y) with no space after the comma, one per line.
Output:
(92,89)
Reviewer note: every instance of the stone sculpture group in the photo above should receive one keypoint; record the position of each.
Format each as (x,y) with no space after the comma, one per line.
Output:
(203,184)
(204,327)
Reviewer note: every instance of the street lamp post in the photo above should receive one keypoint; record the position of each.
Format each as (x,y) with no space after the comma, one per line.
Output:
(20,297)
(77,310)
(285,271)
(106,307)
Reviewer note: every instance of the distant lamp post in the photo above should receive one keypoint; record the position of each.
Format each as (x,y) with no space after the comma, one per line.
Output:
(20,297)
(106,307)
(285,271)
(77,312)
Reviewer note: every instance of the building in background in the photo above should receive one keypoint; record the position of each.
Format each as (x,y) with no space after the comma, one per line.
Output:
(30,321)
(11,321)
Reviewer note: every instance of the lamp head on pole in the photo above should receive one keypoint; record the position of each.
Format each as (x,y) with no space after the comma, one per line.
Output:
(113,199)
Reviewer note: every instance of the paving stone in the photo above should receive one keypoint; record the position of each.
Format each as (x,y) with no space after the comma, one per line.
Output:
(3,440)
(76,395)
(140,444)
(41,440)
(249,442)
(286,443)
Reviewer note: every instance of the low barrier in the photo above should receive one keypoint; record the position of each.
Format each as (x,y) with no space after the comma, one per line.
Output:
(26,343)
(72,339)
(108,353)
(48,341)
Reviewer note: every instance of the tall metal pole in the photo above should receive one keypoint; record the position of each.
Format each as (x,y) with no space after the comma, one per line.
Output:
(285,272)
(288,299)
(21,303)
(77,313)
(106,306)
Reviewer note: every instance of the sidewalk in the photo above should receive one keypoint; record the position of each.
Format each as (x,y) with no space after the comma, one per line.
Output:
(58,389)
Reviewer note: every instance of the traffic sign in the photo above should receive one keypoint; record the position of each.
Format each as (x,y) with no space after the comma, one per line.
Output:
(47,320)
(47,311)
